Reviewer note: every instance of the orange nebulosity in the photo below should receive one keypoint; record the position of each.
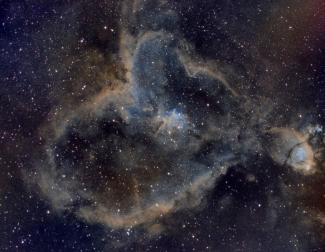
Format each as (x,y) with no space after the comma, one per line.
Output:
(291,148)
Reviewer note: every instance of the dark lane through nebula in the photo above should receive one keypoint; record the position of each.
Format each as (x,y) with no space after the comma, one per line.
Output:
(156,125)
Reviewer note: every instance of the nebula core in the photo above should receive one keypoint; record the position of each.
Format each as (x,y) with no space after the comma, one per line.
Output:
(162,125)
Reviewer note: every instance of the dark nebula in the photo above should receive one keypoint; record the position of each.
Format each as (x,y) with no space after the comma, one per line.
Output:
(157,125)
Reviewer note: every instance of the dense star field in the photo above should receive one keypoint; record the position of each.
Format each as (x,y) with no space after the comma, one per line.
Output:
(161,125)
